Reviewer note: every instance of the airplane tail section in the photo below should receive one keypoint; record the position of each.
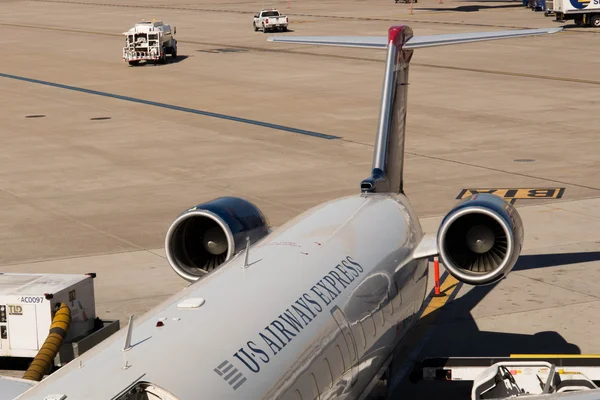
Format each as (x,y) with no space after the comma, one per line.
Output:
(388,158)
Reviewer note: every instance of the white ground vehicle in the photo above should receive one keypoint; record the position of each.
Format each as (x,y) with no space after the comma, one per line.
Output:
(583,12)
(150,41)
(270,20)
(530,376)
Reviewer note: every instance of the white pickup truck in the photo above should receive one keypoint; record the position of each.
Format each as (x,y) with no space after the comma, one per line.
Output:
(270,20)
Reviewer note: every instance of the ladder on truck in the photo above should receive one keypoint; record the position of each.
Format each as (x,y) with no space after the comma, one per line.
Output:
(514,376)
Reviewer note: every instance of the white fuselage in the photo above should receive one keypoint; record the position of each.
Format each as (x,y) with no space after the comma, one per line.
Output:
(316,312)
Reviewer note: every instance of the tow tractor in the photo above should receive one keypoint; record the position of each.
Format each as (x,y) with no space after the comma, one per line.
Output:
(149,41)
(515,376)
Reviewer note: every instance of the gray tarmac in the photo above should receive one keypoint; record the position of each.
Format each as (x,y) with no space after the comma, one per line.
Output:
(120,151)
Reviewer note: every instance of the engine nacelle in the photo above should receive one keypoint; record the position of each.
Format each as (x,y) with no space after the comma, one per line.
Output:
(205,236)
(480,239)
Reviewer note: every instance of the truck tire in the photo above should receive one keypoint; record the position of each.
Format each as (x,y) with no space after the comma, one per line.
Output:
(264,29)
(174,52)
(595,21)
(134,63)
(254,26)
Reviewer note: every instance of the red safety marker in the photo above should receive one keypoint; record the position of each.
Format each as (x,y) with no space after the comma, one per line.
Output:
(436,275)
(411,3)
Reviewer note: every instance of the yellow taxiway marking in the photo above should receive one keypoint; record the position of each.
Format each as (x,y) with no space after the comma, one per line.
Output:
(516,193)
(448,287)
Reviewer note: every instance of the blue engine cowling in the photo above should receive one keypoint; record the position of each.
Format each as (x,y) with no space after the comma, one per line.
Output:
(204,237)
(480,240)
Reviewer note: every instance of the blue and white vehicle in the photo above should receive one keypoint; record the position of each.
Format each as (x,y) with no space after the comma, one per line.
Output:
(582,12)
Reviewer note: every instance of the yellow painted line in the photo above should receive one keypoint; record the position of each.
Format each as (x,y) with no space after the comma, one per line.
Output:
(555,356)
(448,287)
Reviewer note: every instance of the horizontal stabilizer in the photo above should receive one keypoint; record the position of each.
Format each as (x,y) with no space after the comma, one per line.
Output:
(440,40)
(373,42)
(415,42)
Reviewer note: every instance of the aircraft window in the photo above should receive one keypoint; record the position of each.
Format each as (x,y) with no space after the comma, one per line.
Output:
(351,347)
(398,294)
(146,391)
(346,331)
(374,325)
(336,362)
(342,357)
(316,386)
(382,316)
(364,336)
(323,374)
(329,369)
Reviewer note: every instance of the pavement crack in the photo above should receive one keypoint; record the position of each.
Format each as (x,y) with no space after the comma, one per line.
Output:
(578,213)
(557,286)
(45,260)
(504,171)
(156,296)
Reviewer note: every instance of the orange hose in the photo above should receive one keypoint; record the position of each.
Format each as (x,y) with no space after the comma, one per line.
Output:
(44,359)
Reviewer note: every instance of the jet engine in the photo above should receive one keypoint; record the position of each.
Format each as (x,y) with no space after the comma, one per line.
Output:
(480,239)
(205,236)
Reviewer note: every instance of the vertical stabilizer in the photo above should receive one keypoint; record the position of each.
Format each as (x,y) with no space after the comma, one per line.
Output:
(388,160)
(388,157)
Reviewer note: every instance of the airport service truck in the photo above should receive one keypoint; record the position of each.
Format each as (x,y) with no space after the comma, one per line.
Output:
(270,20)
(149,41)
(583,12)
